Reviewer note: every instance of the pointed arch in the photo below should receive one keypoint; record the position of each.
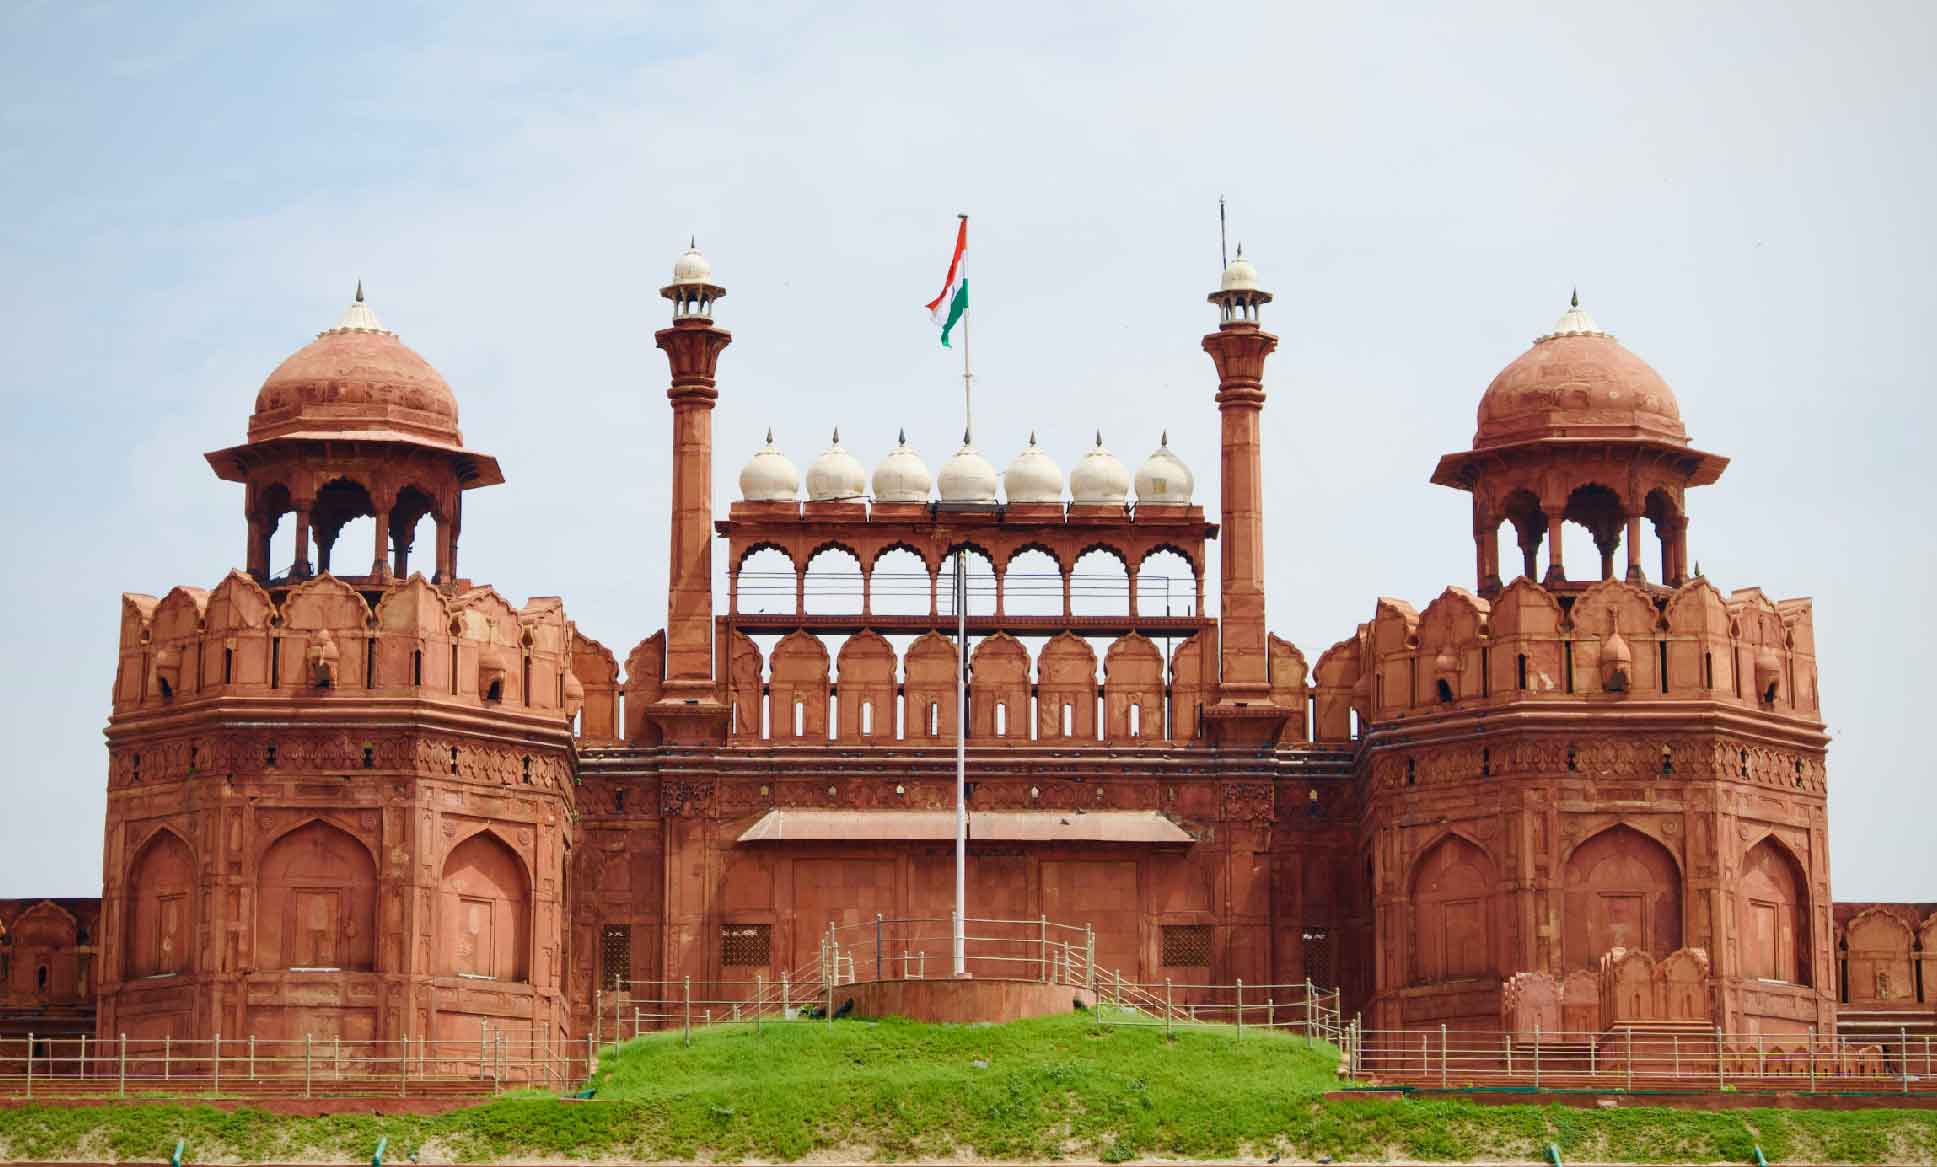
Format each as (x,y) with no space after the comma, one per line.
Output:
(1621,889)
(484,911)
(316,900)
(159,919)
(865,673)
(800,688)
(1879,953)
(1452,886)
(1775,913)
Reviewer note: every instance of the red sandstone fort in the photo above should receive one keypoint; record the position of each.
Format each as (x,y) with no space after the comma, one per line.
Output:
(353,793)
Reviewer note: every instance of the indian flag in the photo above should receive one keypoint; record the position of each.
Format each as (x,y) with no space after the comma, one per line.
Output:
(948,307)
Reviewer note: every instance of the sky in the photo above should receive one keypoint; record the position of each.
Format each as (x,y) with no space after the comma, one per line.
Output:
(1741,193)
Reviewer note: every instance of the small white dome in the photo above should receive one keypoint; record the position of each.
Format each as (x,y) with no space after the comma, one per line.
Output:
(1033,476)
(769,477)
(967,477)
(692,268)
(1575,322)
(1163,480)
(836,475)
(1239,275)
(358,317)
(1099,479)
(902,475)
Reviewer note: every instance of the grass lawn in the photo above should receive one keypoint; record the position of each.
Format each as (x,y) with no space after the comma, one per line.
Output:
(1056,1088)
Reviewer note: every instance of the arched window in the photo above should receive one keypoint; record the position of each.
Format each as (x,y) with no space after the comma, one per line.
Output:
(316,902)
(160,912)
(484,906)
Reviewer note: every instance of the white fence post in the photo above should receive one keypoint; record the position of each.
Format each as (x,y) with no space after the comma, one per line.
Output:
(218,1064)
(309,1056)
(1240,1008)
(124,1065)
(1442,1055)
(30,1064)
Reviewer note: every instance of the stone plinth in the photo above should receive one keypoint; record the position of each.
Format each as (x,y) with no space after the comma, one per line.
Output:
(962,1001)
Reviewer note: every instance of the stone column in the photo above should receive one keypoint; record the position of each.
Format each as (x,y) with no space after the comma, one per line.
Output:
(258,549)
(446,550)
(1635,574)
(1681,552)
(1067,608)
(380,555)
(1556,570)
(300,568)
(1133,592)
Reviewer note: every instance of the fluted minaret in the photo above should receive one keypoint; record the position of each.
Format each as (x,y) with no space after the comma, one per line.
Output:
(1243,713)
(689,711)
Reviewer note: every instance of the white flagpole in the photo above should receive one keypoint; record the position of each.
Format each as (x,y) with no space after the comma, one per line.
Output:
(961,673)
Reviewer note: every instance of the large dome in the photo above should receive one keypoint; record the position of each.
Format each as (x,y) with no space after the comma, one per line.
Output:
(1578,381)
(356,378)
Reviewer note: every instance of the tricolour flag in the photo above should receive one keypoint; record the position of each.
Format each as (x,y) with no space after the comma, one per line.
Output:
(948,307)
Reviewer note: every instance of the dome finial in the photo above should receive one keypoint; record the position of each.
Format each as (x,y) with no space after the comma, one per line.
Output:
(901,436)
(1164,441)
(837,435)
(1575,300)
(965,437)
(770,435)
(359,291)
(1240,249)
(692,243)
(1032,437)
(1099,439)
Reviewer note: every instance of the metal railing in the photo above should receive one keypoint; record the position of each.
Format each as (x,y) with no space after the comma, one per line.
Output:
(306,1067)
(919,948)
(1642,1056)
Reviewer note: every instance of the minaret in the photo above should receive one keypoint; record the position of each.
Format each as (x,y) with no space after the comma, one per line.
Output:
(1243,713)
(689,711)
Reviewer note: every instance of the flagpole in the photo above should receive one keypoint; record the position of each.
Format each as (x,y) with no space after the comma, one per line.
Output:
(960,938)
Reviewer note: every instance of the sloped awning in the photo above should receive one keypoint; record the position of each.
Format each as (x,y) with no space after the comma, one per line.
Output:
(1096,826)
(1007,826)
(836,826)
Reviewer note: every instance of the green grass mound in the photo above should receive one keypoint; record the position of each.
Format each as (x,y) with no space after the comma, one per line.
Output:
(1048,1089)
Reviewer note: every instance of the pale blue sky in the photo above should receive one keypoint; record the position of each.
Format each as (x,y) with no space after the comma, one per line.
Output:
(1742,192)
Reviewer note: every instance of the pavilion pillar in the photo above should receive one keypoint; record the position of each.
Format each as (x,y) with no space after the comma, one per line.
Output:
(1635,574)
(300,568)
(1556,570)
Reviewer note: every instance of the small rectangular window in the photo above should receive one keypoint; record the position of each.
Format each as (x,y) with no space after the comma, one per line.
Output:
(1001,718)
(1069,719)
(1136,721)
(746,945)
(934,719)
(1186,945)
(800,719)
(867,718)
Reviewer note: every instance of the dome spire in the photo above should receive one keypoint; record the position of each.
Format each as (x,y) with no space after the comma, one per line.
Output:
(359,291)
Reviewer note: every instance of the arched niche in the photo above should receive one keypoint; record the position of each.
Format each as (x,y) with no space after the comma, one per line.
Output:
(316,901)
(1775,915)
(1878,958)
(160,913)
(1621,889)
(1452,923)
(484,912)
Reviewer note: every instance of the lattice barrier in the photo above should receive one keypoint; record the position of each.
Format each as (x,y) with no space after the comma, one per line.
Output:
(1660,1056)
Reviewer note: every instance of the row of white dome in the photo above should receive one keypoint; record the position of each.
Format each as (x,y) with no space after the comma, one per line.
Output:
(1098,480)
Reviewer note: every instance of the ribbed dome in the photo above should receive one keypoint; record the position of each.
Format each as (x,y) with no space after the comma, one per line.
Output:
(1239,275)
(967,477)
(1578,381)
(770,476)
(356,378)
(1163,480)
(836,475)
(902,475)
(1033,476)
(1099,479)
(692,267)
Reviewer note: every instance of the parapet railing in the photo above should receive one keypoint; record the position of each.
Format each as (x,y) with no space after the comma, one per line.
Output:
(1675,1056)
(305,1067)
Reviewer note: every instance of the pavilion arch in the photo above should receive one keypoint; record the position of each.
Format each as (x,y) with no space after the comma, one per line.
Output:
(1597,508)
(832,582)
(484,910)
(1522,509)
(1162,589)
(1034,582)
(1664,514)
(1451,888)
(1774,887)
(316,900)
(982,581)
(1621,888)
(159,917)
(901,582)
(341,500)
(413,503)
(766,578)
(273,543)
(1098,588)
